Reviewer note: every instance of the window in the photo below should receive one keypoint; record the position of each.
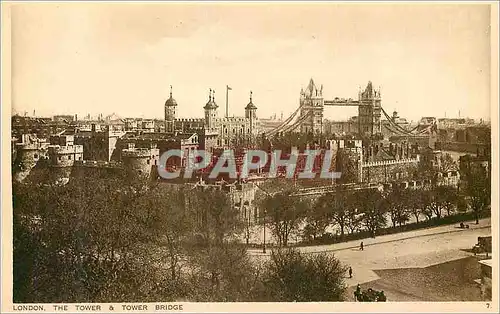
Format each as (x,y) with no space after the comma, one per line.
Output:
(69,157)
(148,161)
(35,156)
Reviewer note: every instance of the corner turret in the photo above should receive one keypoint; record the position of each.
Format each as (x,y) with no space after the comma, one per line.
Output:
(170,113)
(210,110)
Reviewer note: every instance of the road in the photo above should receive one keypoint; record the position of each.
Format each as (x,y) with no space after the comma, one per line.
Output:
(407,261)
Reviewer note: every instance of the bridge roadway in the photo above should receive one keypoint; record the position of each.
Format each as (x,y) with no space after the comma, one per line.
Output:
(421,265)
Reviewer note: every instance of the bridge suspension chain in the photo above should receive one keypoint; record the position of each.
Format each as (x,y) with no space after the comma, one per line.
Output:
(285,123)
(402,130)
(298,122)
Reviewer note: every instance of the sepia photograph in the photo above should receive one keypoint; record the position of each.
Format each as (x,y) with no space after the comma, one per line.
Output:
(319,156)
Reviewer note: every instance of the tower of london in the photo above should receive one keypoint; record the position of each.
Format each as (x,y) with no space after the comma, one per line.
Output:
(215,131)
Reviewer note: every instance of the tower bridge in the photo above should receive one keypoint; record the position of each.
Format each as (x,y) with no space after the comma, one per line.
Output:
(308,117)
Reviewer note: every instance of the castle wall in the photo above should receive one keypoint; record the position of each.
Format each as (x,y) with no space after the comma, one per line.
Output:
(389,170)
(28,153)
(87,168)
(233,131)
(61,161)
(64,156)
(139,162)
(26,159)
(189,125)
(99,146)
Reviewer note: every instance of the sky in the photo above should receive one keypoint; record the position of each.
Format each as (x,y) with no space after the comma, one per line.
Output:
(80,58)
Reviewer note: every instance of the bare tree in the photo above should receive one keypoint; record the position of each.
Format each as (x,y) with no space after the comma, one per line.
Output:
(285,213)
(396,203)
(414,203)
(447,198)
(477,189)
(373,209)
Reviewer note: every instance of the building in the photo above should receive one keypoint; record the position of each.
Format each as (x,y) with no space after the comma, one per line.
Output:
(271,123)
(479,162)
(388,128)
(376,162)
(394,162)
(162,141)
(99,145)
(340,128)
(42,128)
(215,131)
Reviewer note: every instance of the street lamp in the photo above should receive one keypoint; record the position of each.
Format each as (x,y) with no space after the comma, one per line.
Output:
(264,244)
(264,217)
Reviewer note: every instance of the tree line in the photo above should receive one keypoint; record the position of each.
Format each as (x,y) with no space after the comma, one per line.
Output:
(350,211)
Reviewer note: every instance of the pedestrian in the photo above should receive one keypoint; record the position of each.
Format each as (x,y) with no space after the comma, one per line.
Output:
(381,297)
(361,247)
(350,272)
(357,293)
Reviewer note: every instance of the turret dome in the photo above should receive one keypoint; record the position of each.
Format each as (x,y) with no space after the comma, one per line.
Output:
(171,101)
(250,104)
(211,104)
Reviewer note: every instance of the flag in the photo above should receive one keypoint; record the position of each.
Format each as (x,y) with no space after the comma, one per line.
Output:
(228,88)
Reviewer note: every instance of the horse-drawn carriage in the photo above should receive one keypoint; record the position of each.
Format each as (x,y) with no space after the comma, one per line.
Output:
(483,245)
(369,295)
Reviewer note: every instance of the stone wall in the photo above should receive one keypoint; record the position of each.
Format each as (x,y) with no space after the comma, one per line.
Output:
(387,171)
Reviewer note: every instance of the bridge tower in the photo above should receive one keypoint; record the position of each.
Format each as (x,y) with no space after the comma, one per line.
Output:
(369,111)
(312,103)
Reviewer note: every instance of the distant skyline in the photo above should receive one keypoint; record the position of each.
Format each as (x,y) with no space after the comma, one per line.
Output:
(80,58)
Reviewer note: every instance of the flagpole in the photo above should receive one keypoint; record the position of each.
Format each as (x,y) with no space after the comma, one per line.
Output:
(227,96)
